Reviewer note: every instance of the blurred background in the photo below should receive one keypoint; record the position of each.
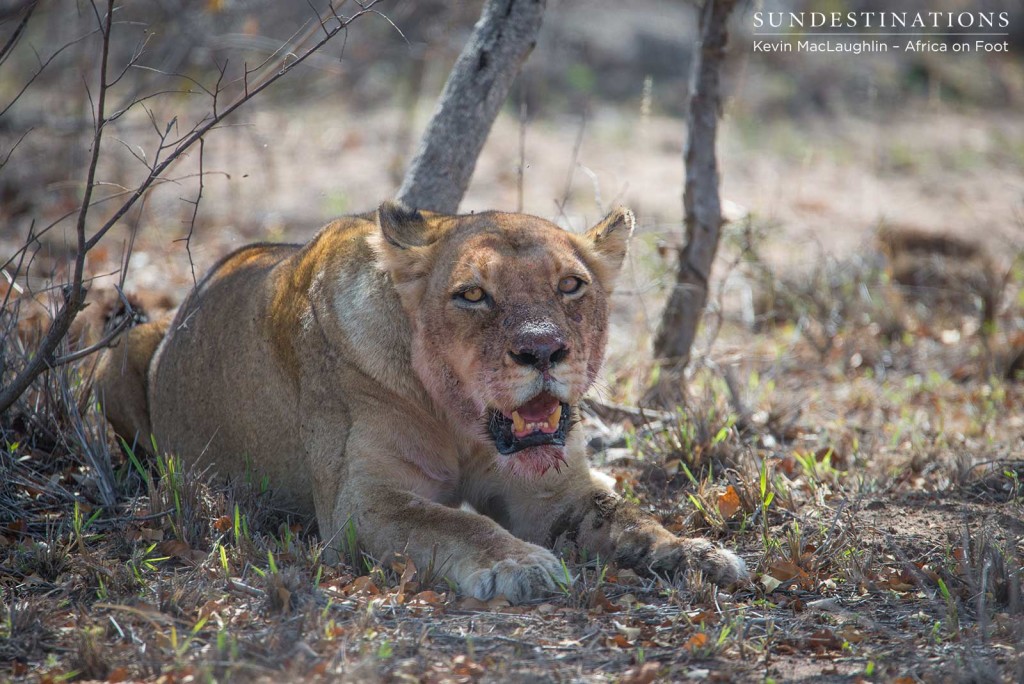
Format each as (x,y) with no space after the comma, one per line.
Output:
(818,151)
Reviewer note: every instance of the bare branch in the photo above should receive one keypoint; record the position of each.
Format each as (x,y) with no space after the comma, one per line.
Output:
(199,131)
(8,47)
(195,213)
(106,340)
(75,292)
(42,67)
(573,162)
(74,297)
(7,157)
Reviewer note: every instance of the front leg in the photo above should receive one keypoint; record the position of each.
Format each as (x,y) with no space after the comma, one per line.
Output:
(483,559)
(605,523)
(572,507)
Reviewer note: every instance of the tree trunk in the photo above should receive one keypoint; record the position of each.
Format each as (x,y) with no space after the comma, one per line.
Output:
(476,89)
(701,204)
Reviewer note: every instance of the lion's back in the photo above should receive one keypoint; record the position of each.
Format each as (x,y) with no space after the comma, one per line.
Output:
(216,394)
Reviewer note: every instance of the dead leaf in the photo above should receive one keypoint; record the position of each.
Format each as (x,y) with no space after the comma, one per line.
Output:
(641,674)
(470,603)
(619,640)
(222,524)
(630,633)
(427,598)
(698,640)
(175,548)
(729,502)
(600,603)
(463,665)
(361,585)
(824,640)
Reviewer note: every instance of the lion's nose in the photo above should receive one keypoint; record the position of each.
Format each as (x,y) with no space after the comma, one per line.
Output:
(540,352)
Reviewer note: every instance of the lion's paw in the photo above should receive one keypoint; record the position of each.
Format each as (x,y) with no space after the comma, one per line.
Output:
(518,579)
(720,565)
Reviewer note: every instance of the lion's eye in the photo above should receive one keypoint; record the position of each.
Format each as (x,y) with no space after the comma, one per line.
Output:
(473,295)
(570,285)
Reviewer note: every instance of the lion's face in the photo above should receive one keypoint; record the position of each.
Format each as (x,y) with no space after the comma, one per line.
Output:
(509,318)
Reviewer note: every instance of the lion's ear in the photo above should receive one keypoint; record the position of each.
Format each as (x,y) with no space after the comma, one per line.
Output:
(403,227)
(610,237)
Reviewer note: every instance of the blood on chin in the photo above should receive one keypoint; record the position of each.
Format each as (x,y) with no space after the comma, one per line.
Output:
(534,461)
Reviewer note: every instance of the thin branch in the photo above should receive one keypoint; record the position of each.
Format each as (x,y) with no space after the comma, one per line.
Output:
(7,157)
(195,213)
(521,172)
(199,131)
(75,292)
(571,173)
(21,262)
(8,47)
(42,68)
(107,339)
(74,297)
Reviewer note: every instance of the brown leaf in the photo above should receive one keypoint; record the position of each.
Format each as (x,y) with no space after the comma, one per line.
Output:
(427,598)
(619,640)
(698,640)
(729,502)
(408,571)
(175,548)
(463,665)
(470,603)
(641,674)
(824,639)
(600,601)
(785,570)
(362,584)
(222,524)
(118,674)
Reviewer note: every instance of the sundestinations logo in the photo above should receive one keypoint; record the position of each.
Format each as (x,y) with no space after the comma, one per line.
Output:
(858,32)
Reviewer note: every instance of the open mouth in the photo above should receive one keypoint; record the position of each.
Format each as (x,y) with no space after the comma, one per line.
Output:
(542,420)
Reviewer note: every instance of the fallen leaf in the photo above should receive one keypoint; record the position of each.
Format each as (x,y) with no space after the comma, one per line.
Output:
(175,548)
(729,502)
(498,602)
(641,674)
(824,639)
(470,603)
(785,570)
(619,640)
(600,603)
(629,632)
(698,640)
(427,598)
(463,665)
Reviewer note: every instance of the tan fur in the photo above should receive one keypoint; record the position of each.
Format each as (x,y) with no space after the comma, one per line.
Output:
(351,373)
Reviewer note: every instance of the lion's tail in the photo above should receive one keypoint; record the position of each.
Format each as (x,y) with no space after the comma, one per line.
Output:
(121,382)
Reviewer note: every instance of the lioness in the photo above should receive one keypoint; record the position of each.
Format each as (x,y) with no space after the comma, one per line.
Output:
(395,367)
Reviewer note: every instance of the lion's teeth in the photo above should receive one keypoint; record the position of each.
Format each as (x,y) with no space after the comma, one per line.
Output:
(555,416)
(517,422)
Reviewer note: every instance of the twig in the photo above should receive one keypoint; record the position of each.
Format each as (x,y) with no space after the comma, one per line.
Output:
(107,339)
(195,213)
(75,297)
(572,166)
(5,51)
(521,171)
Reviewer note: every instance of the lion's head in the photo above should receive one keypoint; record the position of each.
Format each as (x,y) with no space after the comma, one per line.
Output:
(509,319)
